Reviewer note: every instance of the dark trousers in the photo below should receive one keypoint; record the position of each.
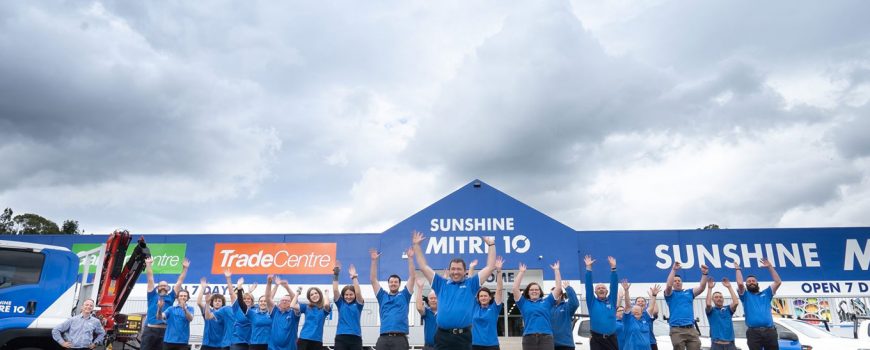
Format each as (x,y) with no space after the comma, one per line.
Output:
(258,346)
(758,338)
(152,338)
(654,347)
(717,346)
(480,347)
(603,342)
(347,342)
(447,340)
(392,342)
(240,346)
(562,347)
(306,344)
(538,341)
(204,347)
(173,346)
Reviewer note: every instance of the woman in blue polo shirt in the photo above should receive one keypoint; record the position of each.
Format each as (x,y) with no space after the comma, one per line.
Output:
(178,319)
(348,334)
(484,326)
(636,321)
(316,310)
(538,332)
(259,319)
(216,316)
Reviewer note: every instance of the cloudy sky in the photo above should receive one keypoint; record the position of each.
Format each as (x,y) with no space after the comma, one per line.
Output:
(348,116)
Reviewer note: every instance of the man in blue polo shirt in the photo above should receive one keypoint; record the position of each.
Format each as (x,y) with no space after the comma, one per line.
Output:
(682,320)
(393,306)
(760,332)
(456,295)
(602,319)
(719,315)
(154,330)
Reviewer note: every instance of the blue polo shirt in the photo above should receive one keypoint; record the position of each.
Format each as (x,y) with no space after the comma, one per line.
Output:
(284,327)
(619,332)
(536,314)
(636,331)
(756,306)
(561,318)
(261,326)
(151,298)
(680,304)
(602,313)
(214,333)
(721,327)
(312,329)
(348,317)
(455,300)
(394,310)
(177,325)
(430,326)
(484,326)
(241,325)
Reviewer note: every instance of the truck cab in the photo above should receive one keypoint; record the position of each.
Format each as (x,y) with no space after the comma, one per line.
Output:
(37,287)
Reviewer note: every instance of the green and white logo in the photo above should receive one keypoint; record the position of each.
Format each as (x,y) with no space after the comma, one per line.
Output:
(167,256)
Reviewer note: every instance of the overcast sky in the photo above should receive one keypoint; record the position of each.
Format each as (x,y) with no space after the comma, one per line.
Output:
(306,117)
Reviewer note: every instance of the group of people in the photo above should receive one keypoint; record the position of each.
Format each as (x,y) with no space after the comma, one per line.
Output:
(459,312)
(630,327)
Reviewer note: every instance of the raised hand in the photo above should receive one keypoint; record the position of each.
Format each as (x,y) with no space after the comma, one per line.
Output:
(270,278)
(374,254)
(472,264)
(588,260)
(612,262)
(654,290)
(705,269)
(677,265)
(522,267)
(227,273)
(186,263)
(282,282)
(336,269)
(765,262)
(736,265)
(564,285)
(726,283)
(417,237)
(351,270)
(240,281)
(710,284)
(499,263)
(148,261)
(625,284)
(555,265)
(410,252)
(489,240)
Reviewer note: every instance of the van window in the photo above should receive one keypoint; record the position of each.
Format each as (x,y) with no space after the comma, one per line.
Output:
(19,267)
(584,330)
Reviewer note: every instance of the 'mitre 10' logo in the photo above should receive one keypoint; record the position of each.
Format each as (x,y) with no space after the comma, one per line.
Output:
(277,258)
(473,243)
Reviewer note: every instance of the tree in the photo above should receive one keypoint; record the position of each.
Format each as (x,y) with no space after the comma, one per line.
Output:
(32,224)
(711,227)
(7,226)
(70,227)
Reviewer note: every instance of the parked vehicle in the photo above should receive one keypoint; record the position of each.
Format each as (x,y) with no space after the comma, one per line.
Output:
(802,335)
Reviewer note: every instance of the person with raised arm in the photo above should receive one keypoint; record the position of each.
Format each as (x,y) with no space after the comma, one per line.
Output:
(216,316)
(456,294)
(484,329)
(641,301)
(285,319)
(684,335)
(602,307)
(562,317)
(636,320)
(720,316)
(259,318)
(241,325)
(428,312)
(315,310)
(760,331)
(177,317)
(348,334)
(535,309)
(393,304)
(155,330)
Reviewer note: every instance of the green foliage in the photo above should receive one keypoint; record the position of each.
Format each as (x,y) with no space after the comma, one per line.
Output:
(32,224)
(70,227)
(7,226)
